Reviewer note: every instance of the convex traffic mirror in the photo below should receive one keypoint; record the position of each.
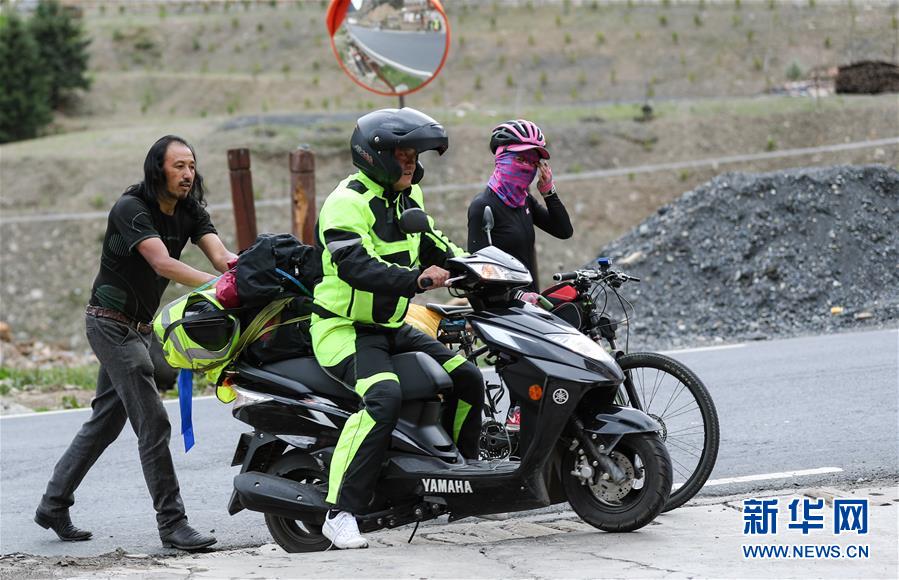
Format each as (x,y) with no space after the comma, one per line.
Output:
(390,47)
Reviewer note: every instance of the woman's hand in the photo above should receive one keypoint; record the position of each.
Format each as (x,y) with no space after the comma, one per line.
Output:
(545,179)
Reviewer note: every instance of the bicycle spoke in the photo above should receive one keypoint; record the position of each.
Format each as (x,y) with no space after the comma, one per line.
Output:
(697,430)
(689,471)
(684,447)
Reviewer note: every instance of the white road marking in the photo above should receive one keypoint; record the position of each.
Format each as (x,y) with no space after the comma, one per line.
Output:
(703,349)
(45,413)
(767,476)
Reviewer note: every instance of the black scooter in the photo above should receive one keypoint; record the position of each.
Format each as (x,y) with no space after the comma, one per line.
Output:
(607,461)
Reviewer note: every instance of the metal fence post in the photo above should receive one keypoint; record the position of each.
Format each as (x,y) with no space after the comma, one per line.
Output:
(242,196)
(302,185)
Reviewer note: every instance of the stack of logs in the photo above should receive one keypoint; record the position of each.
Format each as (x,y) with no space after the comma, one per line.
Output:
(868,78)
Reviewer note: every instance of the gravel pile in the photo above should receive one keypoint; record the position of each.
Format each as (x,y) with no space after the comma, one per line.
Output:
(757,256)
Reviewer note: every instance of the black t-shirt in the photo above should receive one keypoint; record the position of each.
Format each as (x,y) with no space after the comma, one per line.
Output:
(513,231)
(126,282)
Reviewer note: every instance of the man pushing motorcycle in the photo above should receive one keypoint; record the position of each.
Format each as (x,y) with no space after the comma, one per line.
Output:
(371,270)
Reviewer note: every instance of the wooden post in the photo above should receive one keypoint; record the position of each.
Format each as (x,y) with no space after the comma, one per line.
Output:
(242,196)
(302,185)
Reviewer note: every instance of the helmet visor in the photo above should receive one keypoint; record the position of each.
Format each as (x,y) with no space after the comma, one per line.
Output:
(425,138)
(524,147)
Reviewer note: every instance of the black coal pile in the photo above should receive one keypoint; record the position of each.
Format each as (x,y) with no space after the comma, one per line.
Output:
(757,256)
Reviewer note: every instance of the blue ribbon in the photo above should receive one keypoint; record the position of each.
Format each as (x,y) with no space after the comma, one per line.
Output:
(185,398)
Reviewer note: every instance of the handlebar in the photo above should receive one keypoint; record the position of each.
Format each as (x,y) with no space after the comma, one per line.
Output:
(426,282)
(610,276)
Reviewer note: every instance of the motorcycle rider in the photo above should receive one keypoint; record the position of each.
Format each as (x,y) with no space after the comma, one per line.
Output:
(371,270)
(520,154)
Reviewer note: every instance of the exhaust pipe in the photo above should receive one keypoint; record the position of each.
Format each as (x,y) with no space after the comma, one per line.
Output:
(270,494)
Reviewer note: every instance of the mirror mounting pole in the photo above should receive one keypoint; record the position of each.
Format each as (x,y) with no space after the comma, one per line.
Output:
(488,224)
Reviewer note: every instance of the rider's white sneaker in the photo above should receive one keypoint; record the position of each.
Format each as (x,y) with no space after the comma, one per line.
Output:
(343,531)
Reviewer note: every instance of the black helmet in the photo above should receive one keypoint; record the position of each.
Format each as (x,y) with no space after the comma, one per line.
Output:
(378,133)
(210,333)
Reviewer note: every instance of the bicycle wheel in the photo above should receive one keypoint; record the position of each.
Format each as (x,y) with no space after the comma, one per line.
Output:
(674,396)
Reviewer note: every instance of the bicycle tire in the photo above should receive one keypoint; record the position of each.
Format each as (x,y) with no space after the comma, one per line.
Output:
(678,447)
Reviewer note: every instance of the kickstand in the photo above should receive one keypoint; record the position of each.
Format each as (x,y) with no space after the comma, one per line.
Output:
(415,529)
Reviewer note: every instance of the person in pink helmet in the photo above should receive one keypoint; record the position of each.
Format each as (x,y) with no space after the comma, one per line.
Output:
(520,153)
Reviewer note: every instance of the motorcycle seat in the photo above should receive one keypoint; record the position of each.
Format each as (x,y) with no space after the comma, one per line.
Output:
(448,310)
(293,378)
(421,378)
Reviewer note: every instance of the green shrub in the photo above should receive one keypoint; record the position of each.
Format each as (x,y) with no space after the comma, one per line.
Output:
(794,71)
(62,45)
(25,98)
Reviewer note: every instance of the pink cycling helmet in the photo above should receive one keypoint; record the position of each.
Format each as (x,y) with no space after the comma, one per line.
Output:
(518,135)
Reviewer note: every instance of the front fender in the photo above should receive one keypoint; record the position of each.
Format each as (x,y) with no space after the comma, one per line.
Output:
(616,420)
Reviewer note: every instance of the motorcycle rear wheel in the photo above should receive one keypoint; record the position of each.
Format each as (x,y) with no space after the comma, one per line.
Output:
(673,395)
(296,536)
(632,505)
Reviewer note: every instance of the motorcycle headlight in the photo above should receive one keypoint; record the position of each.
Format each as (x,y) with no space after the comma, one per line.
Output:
(581,344)
(499,273)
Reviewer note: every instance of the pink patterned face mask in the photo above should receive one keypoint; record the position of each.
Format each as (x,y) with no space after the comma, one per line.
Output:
(511,178)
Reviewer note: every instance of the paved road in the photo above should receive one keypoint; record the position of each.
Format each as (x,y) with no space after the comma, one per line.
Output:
(784,405)
(415,53)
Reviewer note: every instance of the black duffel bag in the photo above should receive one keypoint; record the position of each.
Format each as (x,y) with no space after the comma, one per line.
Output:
(289,337)
(276,266)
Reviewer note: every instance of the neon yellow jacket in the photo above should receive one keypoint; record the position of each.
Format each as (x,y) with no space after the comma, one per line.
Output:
(370,266)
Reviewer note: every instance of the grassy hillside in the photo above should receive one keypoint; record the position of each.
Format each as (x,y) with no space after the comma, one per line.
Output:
(261,75)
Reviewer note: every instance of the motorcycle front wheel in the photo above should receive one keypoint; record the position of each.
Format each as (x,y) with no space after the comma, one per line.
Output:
(673,395)
(627,506)
(296,536)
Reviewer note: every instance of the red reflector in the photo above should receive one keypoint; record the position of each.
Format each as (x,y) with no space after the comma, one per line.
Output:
(535,392)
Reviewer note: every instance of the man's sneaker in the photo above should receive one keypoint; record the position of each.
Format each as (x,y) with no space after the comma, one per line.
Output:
(343,531)
(513,422)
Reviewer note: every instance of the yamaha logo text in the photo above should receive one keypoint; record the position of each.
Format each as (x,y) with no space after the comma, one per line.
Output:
(446,486)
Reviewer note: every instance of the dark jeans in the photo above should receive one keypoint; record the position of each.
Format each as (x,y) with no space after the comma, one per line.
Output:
(125,391)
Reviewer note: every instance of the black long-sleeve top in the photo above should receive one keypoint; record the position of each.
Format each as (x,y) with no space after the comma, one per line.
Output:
(513,231)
